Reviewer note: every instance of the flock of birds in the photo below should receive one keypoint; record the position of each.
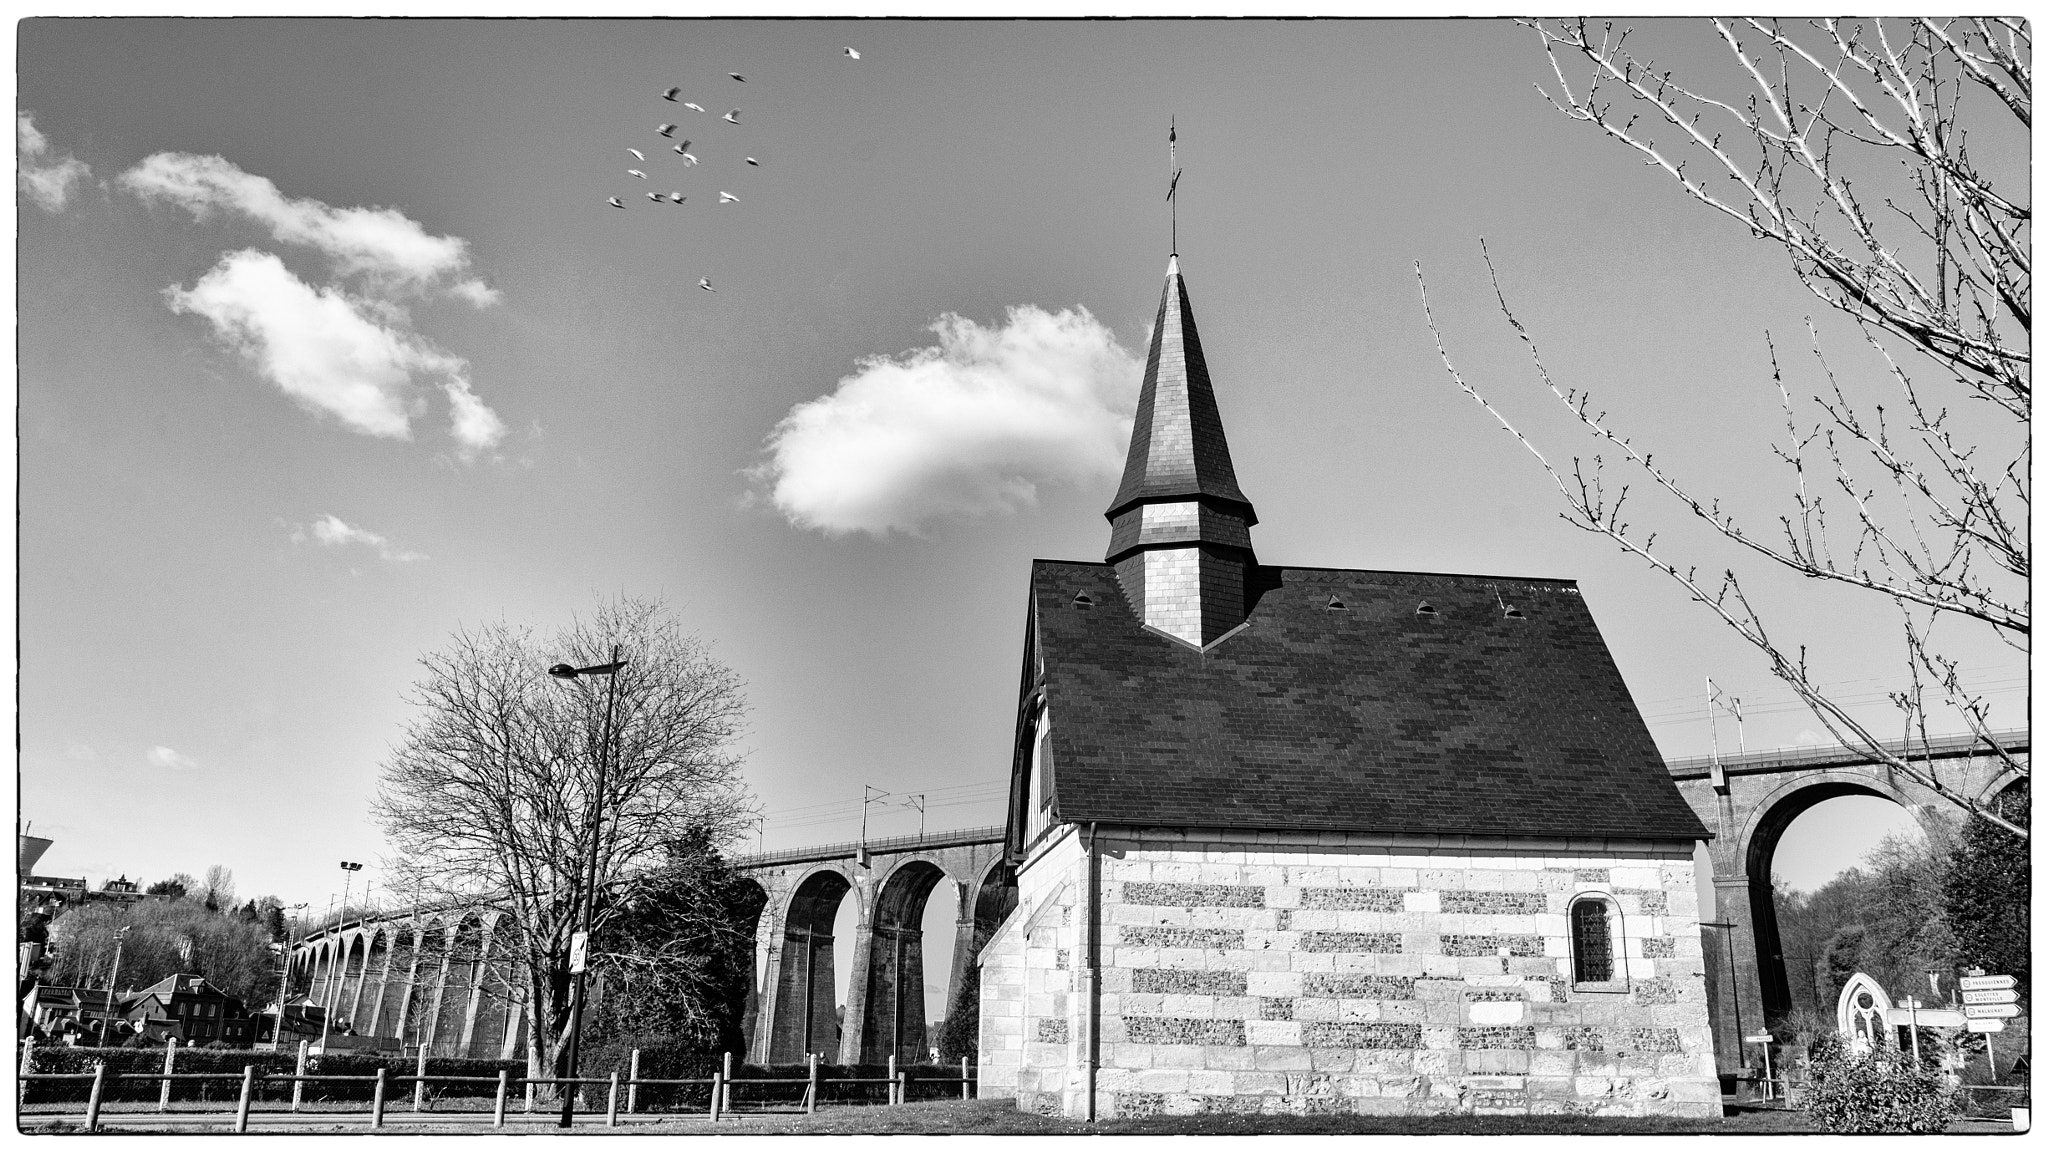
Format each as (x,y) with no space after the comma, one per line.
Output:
(667,131)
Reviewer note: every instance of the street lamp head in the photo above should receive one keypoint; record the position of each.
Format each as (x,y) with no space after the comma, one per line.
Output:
(562,672)
(566,672)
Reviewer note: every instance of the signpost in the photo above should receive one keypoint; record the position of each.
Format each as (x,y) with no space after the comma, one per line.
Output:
(579,945)
(1766,1040)
(1990,1011)
(1987,1002)
(1974,983)
(1990,996)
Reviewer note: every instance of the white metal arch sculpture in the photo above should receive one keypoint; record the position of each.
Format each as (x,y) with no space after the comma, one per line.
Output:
(1860,1013)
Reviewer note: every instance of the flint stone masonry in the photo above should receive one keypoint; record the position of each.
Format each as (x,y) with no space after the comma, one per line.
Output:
(1379,1008)
(1494,903)
(1355,899)
(1377,942)
(1468,945)
(1196,895)
(1188,982)
(1138,936)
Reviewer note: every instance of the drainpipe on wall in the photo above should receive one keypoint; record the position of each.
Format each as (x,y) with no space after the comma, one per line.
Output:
(1091,969)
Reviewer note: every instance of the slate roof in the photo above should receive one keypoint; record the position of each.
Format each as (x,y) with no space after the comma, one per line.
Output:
(1177,444)
(1374,718)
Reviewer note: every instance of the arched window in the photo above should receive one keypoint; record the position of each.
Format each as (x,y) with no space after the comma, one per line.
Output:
(1592,942)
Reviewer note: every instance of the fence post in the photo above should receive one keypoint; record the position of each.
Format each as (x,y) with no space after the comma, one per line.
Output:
(726,1104)
(163,1096)
(963,1077)
(811,1093)
(529,1094)
(902,1087)
(611,1102)
(377,1099)
(298,1076)
(242,1106)
(419,1083)
(890,1092)
(92,1107)
(717,1087)
(633,1084)
(498,1112)
(28,1065)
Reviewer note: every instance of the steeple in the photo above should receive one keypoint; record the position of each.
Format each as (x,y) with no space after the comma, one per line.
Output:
(1179,527)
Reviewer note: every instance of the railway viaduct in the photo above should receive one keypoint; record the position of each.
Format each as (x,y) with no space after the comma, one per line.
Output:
(436,979)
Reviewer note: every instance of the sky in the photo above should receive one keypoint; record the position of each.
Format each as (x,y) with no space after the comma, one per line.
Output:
(329,343)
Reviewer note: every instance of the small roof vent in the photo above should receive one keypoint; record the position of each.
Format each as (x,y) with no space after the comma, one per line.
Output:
(1336,605)
(1425,609)
(1083,600)
(1511,612)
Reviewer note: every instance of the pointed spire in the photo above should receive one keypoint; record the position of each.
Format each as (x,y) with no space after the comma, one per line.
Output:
(1179,525)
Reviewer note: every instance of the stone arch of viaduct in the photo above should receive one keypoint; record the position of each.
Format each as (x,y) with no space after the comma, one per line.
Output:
(430,979)
(1748,802)
(442,979)
(791,1010)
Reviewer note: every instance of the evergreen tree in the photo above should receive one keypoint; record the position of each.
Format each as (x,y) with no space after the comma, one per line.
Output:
(1987,890)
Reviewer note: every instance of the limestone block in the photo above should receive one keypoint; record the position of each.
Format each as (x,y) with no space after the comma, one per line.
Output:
(1311,918)
(1226,1058)
(1443,967)
(1273,983)
(1332,1059)
(1115,1080)
(1180,1056)
(1162,1080)
(1206,1082)
(1195,1007)
(1493,1062)
(1127,1055)
(1272,1033)
(1315,1008)
(1261,1083)
(1262,961)
(1399,872)
(1277,1058)
(1557,1063)
(1312,876)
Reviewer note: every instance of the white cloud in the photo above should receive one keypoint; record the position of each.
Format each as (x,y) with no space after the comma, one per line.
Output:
(49,185)
(170,758)
(330,351)
(969,427)
(388,248)
(332,531)
(78,750)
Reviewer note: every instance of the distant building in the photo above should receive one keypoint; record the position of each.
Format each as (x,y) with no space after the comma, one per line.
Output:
(59,1011)
(187,1007)
(50,894)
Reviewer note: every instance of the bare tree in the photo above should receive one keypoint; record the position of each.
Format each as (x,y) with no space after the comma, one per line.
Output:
(492,797)
(1851,150)
(217,891)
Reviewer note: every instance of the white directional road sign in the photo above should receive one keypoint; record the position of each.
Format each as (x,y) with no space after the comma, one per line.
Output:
(1990,996)
(1982,1011)
(1986,1025)
(1969,982)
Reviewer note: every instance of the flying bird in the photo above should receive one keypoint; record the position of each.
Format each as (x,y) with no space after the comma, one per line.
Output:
(670,94)
(705,284)
(694,107)
(676,197)
(732,117)
(654,196)
(688,159)
(637,154)
(737,76)
(614,201)
(754,162)
(727,198)
(850,53)
(680,147)
(665,129)
(636,172)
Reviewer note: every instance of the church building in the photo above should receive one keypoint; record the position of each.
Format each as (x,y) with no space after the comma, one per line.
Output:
(1313,840)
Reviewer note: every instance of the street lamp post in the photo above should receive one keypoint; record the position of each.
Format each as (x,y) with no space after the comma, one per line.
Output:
(284,979)
(588,895)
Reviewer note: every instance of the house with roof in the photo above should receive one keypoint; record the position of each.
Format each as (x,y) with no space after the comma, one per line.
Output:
(185,1006)
(1300,840)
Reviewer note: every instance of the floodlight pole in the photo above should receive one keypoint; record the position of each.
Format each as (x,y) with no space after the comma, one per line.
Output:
(588,896)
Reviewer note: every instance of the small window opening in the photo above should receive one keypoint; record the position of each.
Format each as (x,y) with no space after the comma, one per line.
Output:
(1512,612)
(1336,605)
(1425,609)
(1083,600)
(1592,954)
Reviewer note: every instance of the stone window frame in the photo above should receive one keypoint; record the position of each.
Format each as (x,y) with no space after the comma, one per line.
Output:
(1617,947)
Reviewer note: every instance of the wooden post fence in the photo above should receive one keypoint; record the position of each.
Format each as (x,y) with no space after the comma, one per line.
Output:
(611,1102)
(717,1090)
(92,1104)
(242,1106)
(298,1075)
(891,1090)
(726,1104)
(498,1112)
(963,1077)
(811,1093)
(377,1099)
(419,1084)
(28,1065)
(633,1084)
(163,1096)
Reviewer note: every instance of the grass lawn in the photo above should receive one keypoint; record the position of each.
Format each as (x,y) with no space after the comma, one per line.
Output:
(1000,1117)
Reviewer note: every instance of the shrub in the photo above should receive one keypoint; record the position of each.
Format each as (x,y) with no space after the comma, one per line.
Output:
(1878,1091)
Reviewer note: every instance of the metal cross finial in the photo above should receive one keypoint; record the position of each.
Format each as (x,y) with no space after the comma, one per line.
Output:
(1173,182)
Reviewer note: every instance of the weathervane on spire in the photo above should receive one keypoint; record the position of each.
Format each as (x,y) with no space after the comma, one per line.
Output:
(1173,183)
